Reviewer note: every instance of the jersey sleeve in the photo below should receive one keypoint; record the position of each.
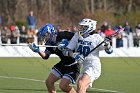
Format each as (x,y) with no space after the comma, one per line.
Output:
(100,39)
(73,42)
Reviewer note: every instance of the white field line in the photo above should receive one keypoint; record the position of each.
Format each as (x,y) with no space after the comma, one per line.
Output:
(36,80)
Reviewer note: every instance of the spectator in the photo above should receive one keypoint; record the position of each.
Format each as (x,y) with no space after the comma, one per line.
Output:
(15,34)
(127,28)
(5,35)
(136,35)
(109,31)
(128,34)
(31,21)
(30,36)
(23,34)
(100,33)
(104,26)
(119,38)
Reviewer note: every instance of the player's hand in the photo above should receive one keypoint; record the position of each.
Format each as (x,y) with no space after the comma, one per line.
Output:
(63,44)
(78,57)
(34,48)
(108,47)
(107,42)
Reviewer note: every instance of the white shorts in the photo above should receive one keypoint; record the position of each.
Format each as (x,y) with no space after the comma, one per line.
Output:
(93,70)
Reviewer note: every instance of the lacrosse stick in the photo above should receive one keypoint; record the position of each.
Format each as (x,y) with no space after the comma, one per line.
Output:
(109,37)
(25,45)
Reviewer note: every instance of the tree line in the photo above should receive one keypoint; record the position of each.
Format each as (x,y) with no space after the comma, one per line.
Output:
(69,12)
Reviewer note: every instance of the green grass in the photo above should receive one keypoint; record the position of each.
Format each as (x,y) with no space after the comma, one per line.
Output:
(118,74)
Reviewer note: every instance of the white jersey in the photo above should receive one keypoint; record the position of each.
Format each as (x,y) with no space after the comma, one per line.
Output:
(91,65)
(85,45)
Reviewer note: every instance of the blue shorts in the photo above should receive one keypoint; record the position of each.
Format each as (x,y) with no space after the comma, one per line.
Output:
(31,26)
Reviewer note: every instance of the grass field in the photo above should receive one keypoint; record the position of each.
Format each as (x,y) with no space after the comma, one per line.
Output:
(27,75)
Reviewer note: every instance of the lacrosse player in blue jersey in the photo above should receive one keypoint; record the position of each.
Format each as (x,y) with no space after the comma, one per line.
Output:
(61,70)
(83,42)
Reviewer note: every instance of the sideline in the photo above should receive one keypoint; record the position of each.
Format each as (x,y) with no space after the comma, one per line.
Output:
(36,80)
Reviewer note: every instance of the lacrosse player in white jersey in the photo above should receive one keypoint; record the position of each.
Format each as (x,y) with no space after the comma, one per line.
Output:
(83,42)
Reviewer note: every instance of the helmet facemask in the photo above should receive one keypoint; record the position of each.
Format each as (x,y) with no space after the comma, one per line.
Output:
(82,29)
(46,37)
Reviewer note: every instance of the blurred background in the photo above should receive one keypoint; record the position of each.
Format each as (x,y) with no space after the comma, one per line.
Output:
(21,19)
(70,11)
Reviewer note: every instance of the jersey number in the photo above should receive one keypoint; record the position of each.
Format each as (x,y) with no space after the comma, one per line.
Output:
(83,50)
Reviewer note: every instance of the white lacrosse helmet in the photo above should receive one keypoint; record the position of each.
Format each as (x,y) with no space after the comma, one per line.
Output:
(88,26)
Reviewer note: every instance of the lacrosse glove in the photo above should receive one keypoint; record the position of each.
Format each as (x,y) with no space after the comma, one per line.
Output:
(63,44)
(34,48)
(78,57)
(108,47)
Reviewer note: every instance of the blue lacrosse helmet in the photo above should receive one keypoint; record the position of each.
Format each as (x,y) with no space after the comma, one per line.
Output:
(47,33)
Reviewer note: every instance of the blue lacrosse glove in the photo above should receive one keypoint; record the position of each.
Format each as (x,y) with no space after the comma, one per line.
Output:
(78,57)
(34,48)
(63,44)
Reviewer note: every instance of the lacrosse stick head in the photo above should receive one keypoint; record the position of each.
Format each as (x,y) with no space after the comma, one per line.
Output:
(117,30)
(47,33)
(87,26)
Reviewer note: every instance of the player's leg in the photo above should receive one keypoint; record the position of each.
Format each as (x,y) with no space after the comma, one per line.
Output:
(89,74)
(83,83)
(50,83)
(65,86)
(70,76)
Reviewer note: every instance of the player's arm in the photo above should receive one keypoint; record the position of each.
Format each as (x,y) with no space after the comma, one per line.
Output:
(35,48)
(106,44)
(68,47)
(68,50)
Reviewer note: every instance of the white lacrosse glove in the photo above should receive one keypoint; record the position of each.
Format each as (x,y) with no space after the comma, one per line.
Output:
(78,57)
(34,48)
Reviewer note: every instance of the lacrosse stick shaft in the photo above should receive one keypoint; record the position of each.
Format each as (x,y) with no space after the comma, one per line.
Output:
(109,37)
(25,45)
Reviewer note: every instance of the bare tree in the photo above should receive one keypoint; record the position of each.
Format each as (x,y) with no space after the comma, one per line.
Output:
(92,6)
(130,5)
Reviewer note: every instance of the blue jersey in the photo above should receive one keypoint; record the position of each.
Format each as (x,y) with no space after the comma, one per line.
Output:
(49,50)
